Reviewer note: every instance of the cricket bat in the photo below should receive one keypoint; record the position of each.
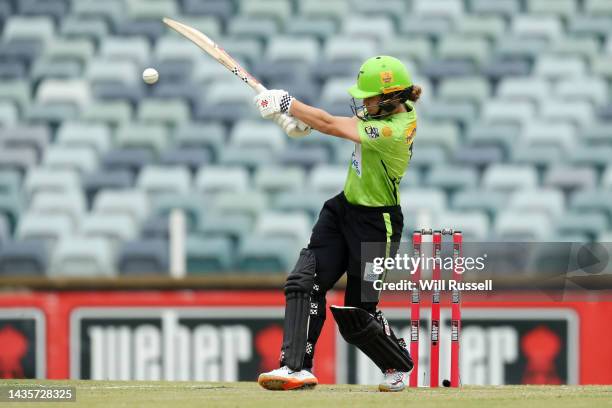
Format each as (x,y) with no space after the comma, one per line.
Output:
(215,51)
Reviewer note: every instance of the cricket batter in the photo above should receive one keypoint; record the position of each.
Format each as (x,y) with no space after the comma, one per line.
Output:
(368,210)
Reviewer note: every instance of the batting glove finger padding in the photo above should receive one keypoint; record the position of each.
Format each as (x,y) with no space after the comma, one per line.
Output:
(291,126)
(273,101)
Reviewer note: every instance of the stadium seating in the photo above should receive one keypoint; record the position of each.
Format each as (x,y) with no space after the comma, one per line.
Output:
(514,135)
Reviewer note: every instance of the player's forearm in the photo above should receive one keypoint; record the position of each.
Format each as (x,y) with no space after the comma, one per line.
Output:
(314,117)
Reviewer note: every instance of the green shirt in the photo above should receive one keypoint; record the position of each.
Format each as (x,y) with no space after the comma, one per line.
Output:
(380,161)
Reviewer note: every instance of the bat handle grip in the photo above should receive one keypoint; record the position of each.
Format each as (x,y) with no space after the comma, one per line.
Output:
(259,88)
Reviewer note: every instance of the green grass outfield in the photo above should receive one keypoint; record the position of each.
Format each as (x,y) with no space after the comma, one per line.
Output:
(152,394)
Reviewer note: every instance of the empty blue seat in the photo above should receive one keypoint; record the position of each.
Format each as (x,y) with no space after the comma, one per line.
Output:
(214,179)
(155,180)
(249,202)
(10,182)
(51,113)
(106,179)
(188,91)
(548,201)
(221,9)
(5,229)
(592,200)
(590,224)
(19,258)
(452,177)
(460,112)
(82,257)
(20,158)
(192,158)
(131,202)
(597,156)
(304,26)
(437,69)
(249,157)
(53,8)
(433,26)
(270,255)
(304,89)
(49,228)
(32,136)
(197,135)
(24,50)
(152,29)
(514,46)
(45,179)
(509,177)
(275,179)
(291,71)
(589,25)
(12,70)
(427,156)
(293,226)
(156,227)
(89,27)
(490,201)
(192,204)
(479,155)
(118,91)
(175,71)
(523,226)
(113,10)
(414,200)
(303,200)
(92,135)
(538,156)
(327,69)
(70,203)
(114,228)
(506,67)
(209,255)
(143,257)
(224,112)
(131,159)
(11,206)
(307,156)
(233,226)
(570,177)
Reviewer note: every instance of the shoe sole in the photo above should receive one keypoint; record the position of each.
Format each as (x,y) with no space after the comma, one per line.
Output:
(384,388)
(274,383)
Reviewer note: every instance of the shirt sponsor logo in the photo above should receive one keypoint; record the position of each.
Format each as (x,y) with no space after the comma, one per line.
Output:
(368,273)
(356,160)
(372,132)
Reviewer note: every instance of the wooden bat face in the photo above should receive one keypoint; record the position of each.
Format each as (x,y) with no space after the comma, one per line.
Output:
(218,53)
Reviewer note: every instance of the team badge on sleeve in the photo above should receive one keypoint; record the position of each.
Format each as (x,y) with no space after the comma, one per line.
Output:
(372,132)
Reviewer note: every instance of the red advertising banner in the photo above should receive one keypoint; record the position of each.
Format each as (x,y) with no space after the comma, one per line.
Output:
(234,335)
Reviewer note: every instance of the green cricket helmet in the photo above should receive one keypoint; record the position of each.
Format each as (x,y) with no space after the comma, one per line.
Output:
(380,75)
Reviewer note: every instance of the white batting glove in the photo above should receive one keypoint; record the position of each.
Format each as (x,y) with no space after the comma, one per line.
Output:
(291,126)
(273,101)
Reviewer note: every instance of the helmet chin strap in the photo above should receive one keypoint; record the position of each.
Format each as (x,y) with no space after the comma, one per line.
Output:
(390,102)
(386,106)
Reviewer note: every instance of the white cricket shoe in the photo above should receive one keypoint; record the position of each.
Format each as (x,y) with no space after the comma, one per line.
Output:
(283,379)
(394,381)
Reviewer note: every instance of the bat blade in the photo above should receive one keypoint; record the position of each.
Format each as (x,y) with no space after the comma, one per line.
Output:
(214,50)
